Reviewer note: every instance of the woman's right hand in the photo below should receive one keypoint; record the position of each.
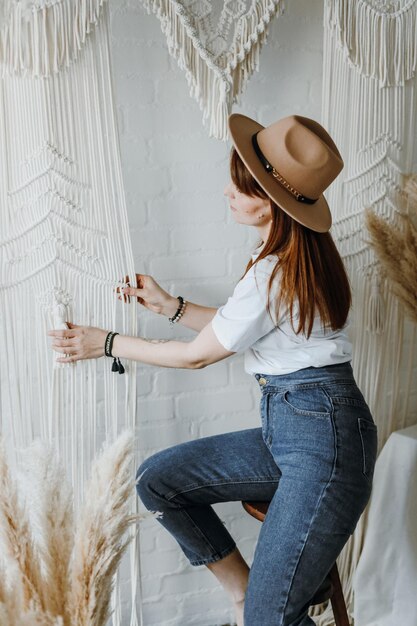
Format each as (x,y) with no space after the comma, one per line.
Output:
(149,294)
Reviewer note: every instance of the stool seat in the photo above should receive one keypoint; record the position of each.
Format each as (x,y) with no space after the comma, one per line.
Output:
(330,588)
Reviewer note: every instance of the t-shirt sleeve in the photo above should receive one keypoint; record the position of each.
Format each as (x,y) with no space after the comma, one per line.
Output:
(244,318)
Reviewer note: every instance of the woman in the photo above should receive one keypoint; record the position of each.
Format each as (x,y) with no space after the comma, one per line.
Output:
(313,456)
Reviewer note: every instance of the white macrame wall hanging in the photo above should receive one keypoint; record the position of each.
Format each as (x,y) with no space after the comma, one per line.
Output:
(370,107)
(64,243)
(217,43)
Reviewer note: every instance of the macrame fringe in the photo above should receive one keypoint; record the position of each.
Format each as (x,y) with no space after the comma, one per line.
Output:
(64,248)
(368,106)
(374,306)
(216,85)
(376,38)
(47,35)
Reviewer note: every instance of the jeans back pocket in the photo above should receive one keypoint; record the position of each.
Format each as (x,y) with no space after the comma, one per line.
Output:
(368,433)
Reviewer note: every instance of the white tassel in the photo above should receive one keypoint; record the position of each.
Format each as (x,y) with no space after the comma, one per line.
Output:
(42,36)
(216,83)
(380,40)
(375,309)
(58,316)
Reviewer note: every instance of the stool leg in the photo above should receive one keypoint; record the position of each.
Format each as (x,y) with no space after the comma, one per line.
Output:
(337,599)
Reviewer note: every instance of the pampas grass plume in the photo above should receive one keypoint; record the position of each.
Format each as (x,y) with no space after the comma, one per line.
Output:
(52,573)
(395,246)
(98,545)
(16,544)
(50,499)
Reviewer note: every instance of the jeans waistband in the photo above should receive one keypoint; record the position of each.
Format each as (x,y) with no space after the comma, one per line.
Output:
(327,373)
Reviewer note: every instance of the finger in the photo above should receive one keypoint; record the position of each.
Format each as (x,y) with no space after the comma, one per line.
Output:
(133,291)
(124,281)
(68,359)
(63,343)
(126,298)
(65,349)
(62,334)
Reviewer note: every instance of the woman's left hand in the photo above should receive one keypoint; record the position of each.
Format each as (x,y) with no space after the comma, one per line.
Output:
(78,342)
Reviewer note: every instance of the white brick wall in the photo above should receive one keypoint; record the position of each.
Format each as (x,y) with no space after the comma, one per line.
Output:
(183,235)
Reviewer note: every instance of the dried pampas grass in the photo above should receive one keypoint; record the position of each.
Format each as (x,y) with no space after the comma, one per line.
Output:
(50,510)
(18,553)
(411,191)
(396,249)
(54,572)
(98,546)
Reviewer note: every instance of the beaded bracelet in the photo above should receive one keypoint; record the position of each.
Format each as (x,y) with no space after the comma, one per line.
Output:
(179,312)
(108,345)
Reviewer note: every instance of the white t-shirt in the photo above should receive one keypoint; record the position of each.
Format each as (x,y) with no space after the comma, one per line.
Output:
(244,324)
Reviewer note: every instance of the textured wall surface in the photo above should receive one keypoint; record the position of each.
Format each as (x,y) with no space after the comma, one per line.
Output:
(185,237)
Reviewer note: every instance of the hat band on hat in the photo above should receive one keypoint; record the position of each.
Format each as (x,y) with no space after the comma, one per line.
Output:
(270,168)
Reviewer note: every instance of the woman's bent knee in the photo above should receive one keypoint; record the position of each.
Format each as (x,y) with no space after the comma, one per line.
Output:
(152,480)
(144,480)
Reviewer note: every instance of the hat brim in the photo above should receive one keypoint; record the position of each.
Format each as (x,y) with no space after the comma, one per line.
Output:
(315,216)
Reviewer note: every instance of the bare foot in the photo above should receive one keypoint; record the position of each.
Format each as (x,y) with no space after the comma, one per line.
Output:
(238,606)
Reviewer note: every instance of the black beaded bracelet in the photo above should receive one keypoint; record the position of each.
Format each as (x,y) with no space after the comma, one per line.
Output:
(179,312)
(108,345)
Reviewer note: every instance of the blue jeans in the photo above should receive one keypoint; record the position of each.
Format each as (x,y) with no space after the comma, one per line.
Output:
(313,460)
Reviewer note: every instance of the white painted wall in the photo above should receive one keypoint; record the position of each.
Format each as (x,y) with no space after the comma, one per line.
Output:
(183,235)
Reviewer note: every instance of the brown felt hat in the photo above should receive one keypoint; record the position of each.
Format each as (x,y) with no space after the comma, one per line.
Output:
(294,160)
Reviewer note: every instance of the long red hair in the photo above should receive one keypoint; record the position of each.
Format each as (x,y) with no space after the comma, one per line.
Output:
(312,270)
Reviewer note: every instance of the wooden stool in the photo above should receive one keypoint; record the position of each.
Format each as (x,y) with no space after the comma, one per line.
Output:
(330,589)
